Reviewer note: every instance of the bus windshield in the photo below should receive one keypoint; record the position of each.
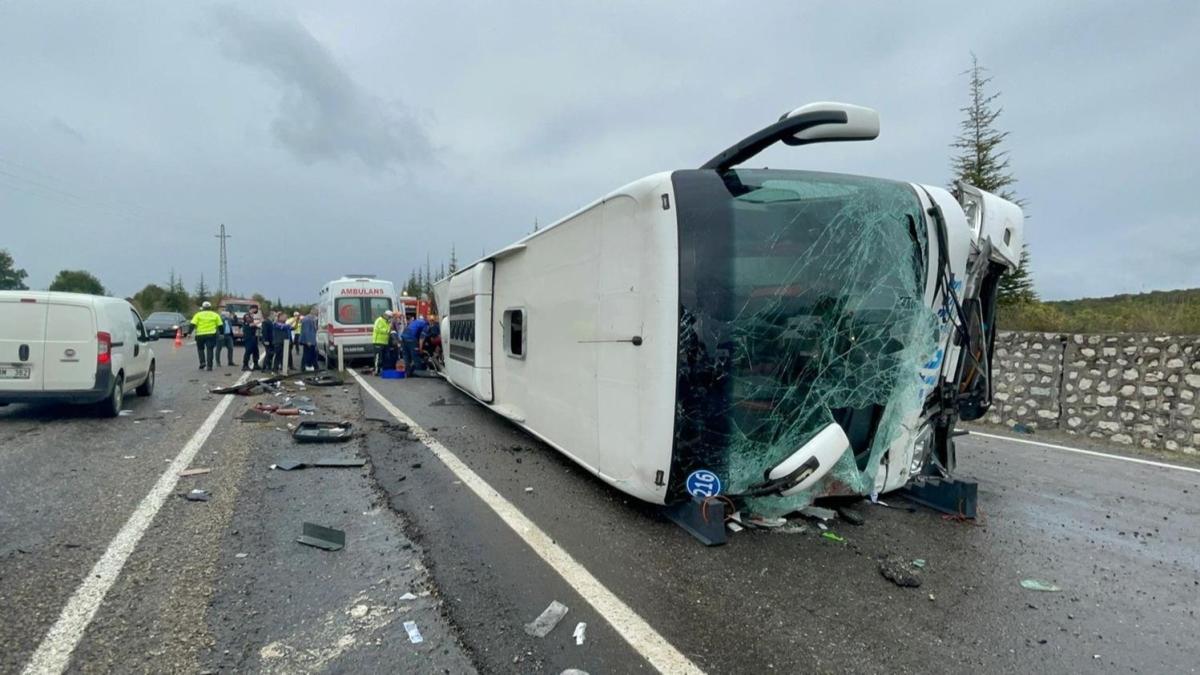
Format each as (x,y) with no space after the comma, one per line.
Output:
(801,303)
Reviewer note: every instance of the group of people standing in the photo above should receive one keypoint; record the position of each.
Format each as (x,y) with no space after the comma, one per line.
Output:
(215,332)
(394,337)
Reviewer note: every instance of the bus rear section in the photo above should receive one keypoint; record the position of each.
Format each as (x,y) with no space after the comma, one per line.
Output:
(346,313)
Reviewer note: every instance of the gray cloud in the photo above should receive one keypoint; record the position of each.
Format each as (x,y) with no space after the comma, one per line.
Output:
(324,113)
(66,129)
(265,117)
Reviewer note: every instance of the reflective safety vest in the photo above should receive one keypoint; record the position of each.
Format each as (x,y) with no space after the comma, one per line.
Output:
(206,322)
(379,333)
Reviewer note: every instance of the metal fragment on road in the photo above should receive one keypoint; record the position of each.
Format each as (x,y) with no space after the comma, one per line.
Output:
(319,536)
(198,471)
(580,630)
(818,512)
(288,465)
(547,620)
(414,635)
(339,462)
(197,496)
(1039,585)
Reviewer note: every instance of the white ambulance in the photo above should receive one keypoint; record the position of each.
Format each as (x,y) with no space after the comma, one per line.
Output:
(346,311)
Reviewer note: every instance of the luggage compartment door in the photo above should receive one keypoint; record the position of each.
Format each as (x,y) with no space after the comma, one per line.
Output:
(620,325)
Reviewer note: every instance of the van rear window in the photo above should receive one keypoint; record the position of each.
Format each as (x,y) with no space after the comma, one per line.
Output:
(359,311)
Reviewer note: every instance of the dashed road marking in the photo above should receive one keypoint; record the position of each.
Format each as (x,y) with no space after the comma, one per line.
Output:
(53,655)
(1093,453)
(629,625)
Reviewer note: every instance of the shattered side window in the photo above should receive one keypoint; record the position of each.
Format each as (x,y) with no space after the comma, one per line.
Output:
(801,304)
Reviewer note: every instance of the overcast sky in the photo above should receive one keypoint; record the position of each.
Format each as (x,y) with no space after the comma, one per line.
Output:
(362,137)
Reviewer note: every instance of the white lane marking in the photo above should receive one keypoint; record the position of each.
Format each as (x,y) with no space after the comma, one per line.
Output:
(1093,453)
(633,628)
(53,655)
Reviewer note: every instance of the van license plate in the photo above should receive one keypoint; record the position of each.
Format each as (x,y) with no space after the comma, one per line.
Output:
(14,373)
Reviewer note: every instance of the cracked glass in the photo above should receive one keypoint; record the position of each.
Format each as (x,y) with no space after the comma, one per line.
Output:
(801,304)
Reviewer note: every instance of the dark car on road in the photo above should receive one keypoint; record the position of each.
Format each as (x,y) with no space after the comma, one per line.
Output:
(165,323)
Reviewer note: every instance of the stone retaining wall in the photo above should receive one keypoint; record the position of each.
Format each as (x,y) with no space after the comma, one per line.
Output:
(1126,389)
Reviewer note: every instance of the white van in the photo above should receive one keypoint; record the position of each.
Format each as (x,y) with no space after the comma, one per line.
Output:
(73,348)
(346,312)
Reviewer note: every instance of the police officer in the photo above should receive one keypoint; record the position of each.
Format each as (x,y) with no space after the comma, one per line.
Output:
(206,322)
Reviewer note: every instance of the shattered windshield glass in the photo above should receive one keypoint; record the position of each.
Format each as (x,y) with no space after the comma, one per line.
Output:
(801,304)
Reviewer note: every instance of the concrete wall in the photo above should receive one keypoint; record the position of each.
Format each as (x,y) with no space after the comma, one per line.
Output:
(1126,389)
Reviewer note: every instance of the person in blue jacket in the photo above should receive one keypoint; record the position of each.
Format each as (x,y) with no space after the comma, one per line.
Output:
(408,341)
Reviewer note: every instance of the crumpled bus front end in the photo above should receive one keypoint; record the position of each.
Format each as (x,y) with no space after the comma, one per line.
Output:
(804,321)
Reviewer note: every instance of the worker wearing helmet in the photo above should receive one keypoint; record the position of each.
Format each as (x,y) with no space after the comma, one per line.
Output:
(206,322)
(380,334)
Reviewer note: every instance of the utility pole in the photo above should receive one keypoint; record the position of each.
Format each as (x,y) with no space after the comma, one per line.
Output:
(223,279)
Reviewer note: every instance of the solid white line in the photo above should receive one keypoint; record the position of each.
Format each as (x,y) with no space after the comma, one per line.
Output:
(633,628)
(53,655)
(1093,453)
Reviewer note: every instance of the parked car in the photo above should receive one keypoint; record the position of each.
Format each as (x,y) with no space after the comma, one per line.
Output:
(166,323)
(74,348)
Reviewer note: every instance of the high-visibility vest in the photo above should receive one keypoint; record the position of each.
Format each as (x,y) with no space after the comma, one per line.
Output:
(206,322)
(379,334)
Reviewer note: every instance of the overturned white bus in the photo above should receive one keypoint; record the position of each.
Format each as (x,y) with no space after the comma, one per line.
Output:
(769,335)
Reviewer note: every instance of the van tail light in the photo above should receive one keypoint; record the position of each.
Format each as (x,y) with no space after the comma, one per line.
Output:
(103,349)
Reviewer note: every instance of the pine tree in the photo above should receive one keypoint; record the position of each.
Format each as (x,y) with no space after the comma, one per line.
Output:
(982,163)
(201,291)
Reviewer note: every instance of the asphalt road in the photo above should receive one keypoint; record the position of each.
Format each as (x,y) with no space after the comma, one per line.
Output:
(1118,538)
(222,586)
(213,586)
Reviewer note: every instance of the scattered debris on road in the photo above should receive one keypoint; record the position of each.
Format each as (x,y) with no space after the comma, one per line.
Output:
(902,572)
(414,635)
(547,620)
(252,415)
(408,596)
(287,465)
(1039,585)
(834,536)
(580,629)
(197,495)
(326,538)
(818,512)
(323,432)
(852,516)
(198,471)
(125,413)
